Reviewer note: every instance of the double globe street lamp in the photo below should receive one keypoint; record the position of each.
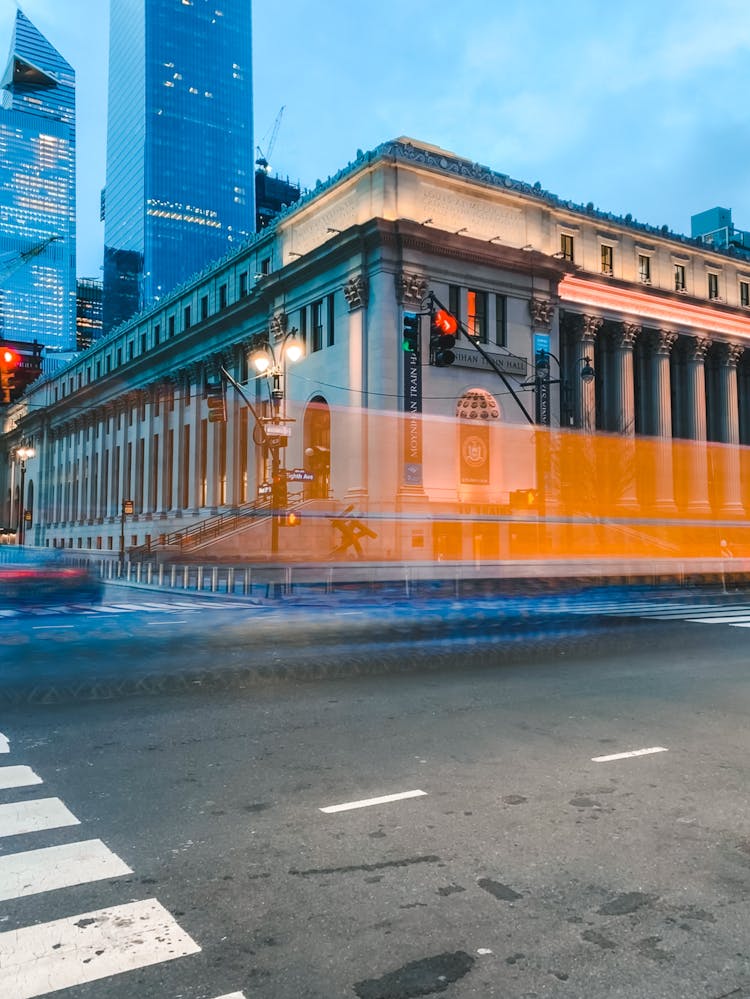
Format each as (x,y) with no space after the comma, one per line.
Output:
(23,454)
(271,361)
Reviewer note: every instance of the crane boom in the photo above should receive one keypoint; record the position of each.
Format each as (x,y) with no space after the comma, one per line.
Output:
(10,263)
(263,158)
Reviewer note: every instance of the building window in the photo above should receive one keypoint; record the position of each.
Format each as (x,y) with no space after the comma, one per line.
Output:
(679,277)
(170,326)
(303,324)
(713,285)
(157,334)
(243,284)
(108,363)
(644,268)
(331,321)
(566,247)
(501,325)
(143,343)
(316,325)
(222,296)
(265,265)
(608,259)
(745,293)
(186,316)
(476,314)
(204,307)
(131,350)
(454,300)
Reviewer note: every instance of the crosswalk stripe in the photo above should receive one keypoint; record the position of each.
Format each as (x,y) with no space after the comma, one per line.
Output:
(19,817)
(53,867)
(85,948)
(18,777)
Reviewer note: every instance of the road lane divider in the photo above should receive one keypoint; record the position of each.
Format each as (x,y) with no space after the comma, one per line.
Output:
(628,755)
(367,802)
(4,743)
(18,777)
(19,817)
(88,947)
(35,871)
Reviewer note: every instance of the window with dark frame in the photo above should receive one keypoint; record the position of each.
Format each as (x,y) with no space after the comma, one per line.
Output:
(222,296)
(608,258)
(170,325)
(186,317)
(157,334)
(745,293)
(566,246)
(243,284)
(713,285)
(331,320)
(679,277)
(303,324)
(316,325)
(204,307)
(476,314)
(501,326)
(644,268)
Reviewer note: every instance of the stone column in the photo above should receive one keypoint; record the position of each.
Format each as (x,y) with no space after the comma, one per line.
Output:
(729,355)
(624,401)
(695,424)
(661,343)
(586,330)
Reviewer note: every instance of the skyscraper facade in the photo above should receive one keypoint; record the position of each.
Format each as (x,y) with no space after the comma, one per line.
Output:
(180,173)
(37,193)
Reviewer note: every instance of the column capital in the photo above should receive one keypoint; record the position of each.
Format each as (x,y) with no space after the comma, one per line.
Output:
(585,327)
(411,289)
(662,342)
(729,354)
(542,312)
(696,348)
(626,334)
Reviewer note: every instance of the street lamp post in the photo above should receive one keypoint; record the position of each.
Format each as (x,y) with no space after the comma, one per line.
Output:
(276,427)
(22,454)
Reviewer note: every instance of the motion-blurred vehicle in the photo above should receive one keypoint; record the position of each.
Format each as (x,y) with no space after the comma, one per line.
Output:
(38,576)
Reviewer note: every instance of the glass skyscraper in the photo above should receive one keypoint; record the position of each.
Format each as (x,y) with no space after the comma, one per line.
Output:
(37,193)
(180,173)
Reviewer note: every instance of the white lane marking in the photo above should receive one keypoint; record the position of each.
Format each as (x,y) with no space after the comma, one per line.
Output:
(32,816)
(36,871)
(4,743)
(366,802)
(724,619)
(18,777)
(627,756)
(169,623)
(68,952)
(233,995)
(57,627)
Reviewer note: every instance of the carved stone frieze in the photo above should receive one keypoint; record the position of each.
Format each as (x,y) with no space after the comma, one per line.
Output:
(542,312)
(356,292)
(411,289)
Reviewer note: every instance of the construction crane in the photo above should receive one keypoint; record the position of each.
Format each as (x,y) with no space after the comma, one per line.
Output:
(263,158)
(12,262)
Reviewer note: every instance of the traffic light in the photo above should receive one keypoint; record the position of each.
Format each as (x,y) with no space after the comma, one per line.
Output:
(410,336)
(443,333)
(9,361)
(216,402)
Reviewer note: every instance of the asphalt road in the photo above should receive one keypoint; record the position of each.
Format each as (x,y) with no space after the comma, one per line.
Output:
(524,869)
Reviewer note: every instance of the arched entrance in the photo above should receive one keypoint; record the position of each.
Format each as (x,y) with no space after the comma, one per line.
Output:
(317,447)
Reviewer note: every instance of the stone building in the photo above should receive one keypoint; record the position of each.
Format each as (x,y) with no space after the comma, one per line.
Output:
(549,294)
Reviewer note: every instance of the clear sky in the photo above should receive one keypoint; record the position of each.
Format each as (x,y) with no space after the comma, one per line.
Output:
(638,107)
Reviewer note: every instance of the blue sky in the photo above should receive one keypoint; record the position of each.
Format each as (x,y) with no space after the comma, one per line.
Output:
(638,107)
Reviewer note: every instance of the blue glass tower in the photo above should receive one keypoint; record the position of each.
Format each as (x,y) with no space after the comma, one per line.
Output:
(180,173)
(37,193)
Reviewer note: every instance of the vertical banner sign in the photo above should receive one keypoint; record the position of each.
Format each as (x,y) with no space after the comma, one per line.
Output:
(475,453)
(413,421)
(541,365)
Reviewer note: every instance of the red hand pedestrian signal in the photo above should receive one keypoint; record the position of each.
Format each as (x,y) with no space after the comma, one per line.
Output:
(9,361)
